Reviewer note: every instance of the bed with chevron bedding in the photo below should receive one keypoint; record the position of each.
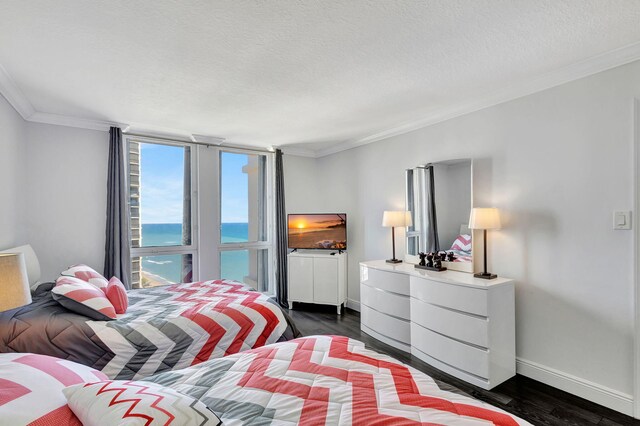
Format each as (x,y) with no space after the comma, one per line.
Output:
(164,328)
(315,380)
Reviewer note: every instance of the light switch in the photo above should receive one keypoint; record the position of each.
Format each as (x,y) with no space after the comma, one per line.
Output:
(622,220)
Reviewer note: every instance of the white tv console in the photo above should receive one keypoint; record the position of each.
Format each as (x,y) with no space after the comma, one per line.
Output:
(462,325)
(318,277)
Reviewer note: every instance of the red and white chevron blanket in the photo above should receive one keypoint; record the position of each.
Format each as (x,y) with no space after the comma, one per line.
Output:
(326,380)
(180,325)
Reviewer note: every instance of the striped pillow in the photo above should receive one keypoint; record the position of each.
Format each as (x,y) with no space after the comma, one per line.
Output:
(88,274)
(462,243)
(31,389)
(117,295)
(83,298)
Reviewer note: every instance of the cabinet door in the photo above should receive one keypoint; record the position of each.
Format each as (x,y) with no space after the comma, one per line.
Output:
(301,279)
(325,275)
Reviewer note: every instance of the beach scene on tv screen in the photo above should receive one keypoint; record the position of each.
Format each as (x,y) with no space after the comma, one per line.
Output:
(318,231)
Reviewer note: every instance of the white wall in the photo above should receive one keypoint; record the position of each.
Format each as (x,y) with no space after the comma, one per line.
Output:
(66,197)
(557,163)
(301,184)
(12,143)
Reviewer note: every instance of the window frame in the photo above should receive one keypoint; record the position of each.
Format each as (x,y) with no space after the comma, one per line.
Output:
(191,249)
(206,166)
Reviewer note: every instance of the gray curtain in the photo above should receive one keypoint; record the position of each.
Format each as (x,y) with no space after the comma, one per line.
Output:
(432,220)
(281,234)
(117,258)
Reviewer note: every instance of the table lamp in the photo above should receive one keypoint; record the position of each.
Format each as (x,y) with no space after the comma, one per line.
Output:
(485,219)
(14,284)
(393,219)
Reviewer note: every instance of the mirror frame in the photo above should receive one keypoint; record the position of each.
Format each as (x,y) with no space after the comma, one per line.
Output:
(476,235)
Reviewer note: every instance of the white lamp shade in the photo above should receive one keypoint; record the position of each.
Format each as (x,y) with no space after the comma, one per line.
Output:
(396,218)
(484,218)
(14,284)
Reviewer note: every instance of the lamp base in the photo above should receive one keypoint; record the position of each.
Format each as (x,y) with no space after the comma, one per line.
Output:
(485,275)
(394,261)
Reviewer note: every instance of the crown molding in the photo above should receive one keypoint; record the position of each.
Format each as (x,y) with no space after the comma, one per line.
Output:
(300,152)
(70,121)
(14,95)
(575,71)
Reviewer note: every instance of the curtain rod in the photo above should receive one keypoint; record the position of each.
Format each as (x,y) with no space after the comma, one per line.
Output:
(189,141)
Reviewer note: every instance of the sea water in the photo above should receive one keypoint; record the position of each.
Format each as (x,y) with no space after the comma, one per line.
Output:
(234,264)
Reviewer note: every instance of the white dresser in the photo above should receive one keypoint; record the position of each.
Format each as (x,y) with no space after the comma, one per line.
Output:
(462,325)
(318,277)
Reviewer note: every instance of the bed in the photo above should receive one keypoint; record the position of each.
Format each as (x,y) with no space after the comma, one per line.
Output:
(325,380)
(164,328)
(316,380)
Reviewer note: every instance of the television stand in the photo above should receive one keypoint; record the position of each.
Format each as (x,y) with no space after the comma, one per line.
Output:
(318,277)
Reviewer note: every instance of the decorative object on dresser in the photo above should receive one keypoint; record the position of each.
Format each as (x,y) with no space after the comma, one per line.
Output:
(14,284)
(460,324)
(484,219)
(434,263)
(318,277)
(395,219)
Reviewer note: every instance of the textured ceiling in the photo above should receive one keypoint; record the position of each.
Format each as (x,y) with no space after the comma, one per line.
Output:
(309,73)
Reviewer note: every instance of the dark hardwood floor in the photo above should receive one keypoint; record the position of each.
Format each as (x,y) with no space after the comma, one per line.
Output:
(531,400)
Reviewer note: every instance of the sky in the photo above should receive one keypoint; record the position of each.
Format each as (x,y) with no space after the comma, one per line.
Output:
(161,184)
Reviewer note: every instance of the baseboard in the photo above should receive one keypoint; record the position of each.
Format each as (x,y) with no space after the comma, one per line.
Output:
(591,391)
(352,304)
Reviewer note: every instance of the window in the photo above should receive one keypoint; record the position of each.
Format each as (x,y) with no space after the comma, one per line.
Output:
(246,246)
(228,191)
(161,213)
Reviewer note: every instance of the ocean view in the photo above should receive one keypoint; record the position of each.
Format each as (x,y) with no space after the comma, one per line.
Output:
(235,264)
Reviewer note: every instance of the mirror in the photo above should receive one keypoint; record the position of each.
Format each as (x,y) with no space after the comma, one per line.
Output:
(439,197)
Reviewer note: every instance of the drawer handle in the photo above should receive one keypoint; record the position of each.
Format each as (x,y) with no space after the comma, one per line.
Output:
(473,345)
(469,314)
(384,313)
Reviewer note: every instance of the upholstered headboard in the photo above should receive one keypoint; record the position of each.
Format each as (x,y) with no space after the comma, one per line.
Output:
(31,260)
(464,229)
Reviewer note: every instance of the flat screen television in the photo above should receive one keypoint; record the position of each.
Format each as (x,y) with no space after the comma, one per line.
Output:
(322,231)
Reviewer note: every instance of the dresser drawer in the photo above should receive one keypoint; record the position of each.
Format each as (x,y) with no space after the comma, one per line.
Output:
(461,298)
(393,328)
(385,280)
(459,355)
(383,301)
(450,323)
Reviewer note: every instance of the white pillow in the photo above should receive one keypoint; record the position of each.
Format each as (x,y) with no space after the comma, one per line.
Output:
(132,403)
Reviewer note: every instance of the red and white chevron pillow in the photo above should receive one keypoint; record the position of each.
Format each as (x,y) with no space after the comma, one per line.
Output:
(462,243)
(117,295)
(115,402)
(81,297)
(31,389)
(88,274)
